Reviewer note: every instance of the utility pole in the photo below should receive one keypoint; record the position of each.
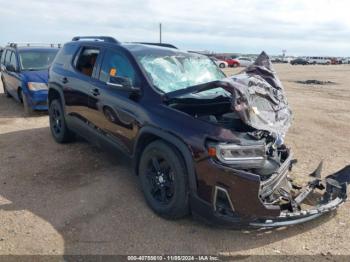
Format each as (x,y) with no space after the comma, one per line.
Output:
(284,51)
(160,32)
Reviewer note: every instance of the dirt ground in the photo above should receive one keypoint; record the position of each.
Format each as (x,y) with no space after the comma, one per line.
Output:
(78,199)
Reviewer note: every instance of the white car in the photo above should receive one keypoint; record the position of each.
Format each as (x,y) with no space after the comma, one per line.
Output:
(219,63)
(319,60)
(245,61)
(346,60)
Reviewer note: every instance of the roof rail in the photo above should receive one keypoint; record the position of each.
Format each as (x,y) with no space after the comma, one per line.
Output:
(157,44)
(106,39)
(24,44)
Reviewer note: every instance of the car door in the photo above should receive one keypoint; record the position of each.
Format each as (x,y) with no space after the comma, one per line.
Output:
(12,77)
(5,73)
(114,111)
(2,61)
(78,86)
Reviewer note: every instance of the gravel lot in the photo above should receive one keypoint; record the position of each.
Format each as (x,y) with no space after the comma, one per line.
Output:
(78,199)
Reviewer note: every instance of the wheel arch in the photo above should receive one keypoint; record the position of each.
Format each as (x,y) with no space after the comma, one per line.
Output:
(19,95)
(54,93)
(149,134)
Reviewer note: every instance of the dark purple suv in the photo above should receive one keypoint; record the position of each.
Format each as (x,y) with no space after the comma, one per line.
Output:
(201,142)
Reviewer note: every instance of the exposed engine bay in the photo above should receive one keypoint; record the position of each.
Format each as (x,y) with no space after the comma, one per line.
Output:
(253,106)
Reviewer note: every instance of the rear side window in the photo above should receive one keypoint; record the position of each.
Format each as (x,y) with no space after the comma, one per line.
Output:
(64,56)
(87,60)
(116,64)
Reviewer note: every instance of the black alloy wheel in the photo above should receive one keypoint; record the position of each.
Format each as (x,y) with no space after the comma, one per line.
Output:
(56,120)
(58,127)
(163,178)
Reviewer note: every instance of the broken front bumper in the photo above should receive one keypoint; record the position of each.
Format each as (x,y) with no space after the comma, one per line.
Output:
(246,195)
(334,189)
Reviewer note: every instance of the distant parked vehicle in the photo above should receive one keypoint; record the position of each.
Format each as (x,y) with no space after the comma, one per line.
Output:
(319,60)
(346,60)
(299,61)
(231,62)
(245,61)
(279,60)
(24,74)
(219,63)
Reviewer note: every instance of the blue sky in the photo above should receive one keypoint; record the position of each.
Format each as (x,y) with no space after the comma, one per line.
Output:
(302,27)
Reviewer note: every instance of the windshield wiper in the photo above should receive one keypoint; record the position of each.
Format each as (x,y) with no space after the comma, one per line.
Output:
(34,69)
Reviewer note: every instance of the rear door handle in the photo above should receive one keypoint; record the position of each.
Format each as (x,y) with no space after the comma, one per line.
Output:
(95,92)
(64,80)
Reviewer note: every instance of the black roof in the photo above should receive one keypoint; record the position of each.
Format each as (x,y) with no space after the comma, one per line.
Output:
(157,44)
(130,46)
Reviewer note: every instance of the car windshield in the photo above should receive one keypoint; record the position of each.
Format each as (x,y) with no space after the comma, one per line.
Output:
(36,59)
(179,70)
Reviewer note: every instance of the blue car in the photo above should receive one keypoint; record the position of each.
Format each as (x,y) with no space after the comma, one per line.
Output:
(24,74)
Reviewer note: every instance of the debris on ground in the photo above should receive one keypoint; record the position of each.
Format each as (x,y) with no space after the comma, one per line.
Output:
(315,82)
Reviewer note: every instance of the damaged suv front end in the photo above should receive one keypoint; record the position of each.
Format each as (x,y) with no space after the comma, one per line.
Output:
(242,165)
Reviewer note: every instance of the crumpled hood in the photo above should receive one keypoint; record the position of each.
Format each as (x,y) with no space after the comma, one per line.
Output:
(41,76)
(259,97)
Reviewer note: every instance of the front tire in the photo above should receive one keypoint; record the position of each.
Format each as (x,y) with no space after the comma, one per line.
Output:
(163,179)
(222,65)
(28,110)
(58,126)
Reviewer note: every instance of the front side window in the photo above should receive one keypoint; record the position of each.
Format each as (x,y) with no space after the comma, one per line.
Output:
(34,60)
(115,64)
(87,60)
(180,70)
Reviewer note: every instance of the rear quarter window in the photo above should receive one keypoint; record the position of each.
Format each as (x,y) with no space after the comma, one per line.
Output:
(65,55)
(86,60)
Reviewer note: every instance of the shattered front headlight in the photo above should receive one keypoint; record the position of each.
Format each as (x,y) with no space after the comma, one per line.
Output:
(243,156)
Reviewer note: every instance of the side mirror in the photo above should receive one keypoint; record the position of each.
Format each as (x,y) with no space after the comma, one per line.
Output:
(122,83)
(10,68)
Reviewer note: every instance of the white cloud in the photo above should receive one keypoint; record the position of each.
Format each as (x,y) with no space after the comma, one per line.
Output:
(300,26)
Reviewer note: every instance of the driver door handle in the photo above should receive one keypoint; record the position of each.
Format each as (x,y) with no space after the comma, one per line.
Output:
(64,80)
(95,92)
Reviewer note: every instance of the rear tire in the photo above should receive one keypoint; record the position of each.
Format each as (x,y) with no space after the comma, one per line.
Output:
(163,179)
(235,65)
(58,126)
(28,110)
